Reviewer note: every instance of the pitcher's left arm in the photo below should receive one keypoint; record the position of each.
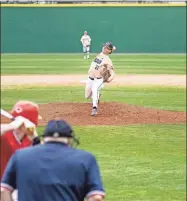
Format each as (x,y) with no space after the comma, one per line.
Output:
(107,73)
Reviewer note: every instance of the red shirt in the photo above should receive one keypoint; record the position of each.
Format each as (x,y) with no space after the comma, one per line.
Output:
(9,144)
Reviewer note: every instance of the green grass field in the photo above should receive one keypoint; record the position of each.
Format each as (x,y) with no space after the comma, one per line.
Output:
(139,162)
(74,64)
(144,162)
(154,97)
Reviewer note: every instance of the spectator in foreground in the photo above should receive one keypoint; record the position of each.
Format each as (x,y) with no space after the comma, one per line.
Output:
(54,170)
(20,133)
(17,135)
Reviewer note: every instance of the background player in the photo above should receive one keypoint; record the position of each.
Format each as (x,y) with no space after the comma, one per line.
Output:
(86,41)
(96,75)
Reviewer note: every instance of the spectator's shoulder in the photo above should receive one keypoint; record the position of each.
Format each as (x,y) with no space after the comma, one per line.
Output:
(26,150)
(85,154)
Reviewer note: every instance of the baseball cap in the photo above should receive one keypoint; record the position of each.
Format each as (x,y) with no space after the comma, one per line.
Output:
(27,109)
(109,45)
(59,128)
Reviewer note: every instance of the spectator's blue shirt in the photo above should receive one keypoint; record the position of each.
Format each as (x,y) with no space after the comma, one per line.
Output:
(53,172)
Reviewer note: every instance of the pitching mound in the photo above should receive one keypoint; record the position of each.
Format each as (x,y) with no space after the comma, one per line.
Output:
(109,114)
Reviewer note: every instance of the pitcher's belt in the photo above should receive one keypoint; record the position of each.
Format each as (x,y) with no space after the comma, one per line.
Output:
(91,78)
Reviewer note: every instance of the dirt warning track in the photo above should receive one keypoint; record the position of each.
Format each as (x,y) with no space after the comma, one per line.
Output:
(75,80)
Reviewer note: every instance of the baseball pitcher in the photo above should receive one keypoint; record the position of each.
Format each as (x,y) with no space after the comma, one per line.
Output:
(101,71)
(86,41)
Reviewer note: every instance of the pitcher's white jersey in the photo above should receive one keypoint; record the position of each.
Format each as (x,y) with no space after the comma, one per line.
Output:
(96,66)
(86,40)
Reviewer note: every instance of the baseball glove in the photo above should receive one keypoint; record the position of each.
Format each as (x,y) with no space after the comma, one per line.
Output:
(106,73)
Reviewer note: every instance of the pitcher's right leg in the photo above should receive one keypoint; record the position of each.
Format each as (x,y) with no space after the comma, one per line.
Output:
(88,88)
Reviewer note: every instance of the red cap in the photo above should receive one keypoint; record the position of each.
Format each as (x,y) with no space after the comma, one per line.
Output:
(27,109)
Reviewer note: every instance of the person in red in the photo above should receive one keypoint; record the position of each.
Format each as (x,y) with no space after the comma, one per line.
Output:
(20,133)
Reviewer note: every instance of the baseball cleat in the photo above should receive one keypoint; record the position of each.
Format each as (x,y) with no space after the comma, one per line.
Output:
(94,112)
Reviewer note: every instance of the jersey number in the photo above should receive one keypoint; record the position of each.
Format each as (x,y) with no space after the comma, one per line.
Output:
(97,61)
(97,67)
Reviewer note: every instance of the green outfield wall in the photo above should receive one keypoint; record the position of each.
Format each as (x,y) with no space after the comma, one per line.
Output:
(133,29)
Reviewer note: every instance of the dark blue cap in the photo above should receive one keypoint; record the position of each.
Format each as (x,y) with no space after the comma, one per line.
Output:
(108,45)
(58,128)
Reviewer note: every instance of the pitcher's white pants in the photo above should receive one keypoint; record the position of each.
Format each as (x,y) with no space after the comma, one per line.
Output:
(15,195)
(92,90)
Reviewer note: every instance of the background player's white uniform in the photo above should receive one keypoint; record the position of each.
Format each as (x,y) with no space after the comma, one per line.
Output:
(95,79)
(86,41)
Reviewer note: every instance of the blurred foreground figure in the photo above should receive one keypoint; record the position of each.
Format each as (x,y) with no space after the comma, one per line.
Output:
(57,171)
(20,133)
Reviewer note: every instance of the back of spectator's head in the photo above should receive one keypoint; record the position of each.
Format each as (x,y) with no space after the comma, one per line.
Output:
(59,130)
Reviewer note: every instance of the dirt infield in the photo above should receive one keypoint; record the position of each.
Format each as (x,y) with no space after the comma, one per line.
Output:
(109,114)
(75,80)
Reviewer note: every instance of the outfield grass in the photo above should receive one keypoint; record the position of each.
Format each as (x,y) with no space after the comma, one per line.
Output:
(74,64)
(138,163)
(154,97)
(144,163)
